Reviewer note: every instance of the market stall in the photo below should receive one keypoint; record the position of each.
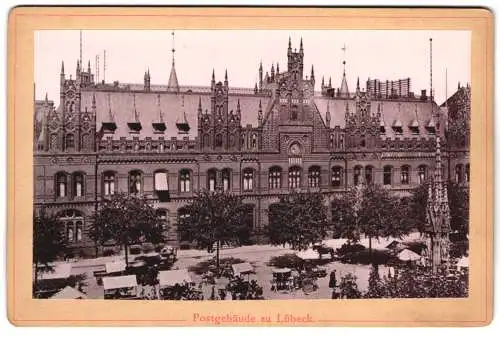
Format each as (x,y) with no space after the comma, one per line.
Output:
(69,293)
(120,287)
(244,268)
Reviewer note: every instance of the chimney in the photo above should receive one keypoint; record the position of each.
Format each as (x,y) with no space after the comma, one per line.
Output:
(423,95)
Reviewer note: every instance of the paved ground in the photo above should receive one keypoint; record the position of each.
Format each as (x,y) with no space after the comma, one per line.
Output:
(257,255)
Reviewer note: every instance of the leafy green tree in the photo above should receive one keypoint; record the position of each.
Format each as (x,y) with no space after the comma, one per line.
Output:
(379,214)
(420,283)
(374,284)
(298,219)
(344,216)
(349,287)
(126,220)
(214,219)
(48,242)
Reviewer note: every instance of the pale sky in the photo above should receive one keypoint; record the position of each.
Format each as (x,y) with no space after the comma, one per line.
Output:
(382,54)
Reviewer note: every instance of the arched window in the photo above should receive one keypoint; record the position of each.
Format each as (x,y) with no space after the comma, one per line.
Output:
(226,179)
(336,176)
(254,141)
(162,215)
(422,174)
(242,141)
(405,175)
(387,175)
(467,173)
(206,141)
(314,176)
(211,180)
(247,179)
(369,175)
(331,141)
(78,184)
(109,181)
(341,142)
(294,175)
(61,185)
(69,142)
(185,180)
(357,175)
(79,230)
(73,222)
(135,182)
(218,140)
(459,173)
(275,177)
(362,141)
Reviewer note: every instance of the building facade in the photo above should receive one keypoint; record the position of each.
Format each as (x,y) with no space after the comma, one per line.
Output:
(170,141)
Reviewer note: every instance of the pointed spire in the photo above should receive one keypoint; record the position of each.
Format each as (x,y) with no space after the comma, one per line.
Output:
(289,42)
(260,66)
(62,69)
(160,113)
(312,72)
(173,83)
(322,81)
(225,79)
(357,85)
(88,67)
(259,116)
(301,46)
(46,97)
(238,108)
(110,114)
(77,66)
(328,117)
(136,115)
(256,89)
(200,110)
(330,82)
(277,68)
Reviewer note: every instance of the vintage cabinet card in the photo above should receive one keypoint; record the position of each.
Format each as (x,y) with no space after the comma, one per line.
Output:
(250,166)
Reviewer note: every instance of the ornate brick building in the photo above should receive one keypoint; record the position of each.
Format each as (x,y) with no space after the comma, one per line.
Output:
(168,142)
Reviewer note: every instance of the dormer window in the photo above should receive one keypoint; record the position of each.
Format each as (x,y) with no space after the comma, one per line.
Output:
(414,127)
(397,127)
(159,127)
(431,126)
(134,127)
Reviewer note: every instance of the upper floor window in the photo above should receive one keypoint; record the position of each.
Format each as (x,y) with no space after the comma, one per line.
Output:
(218,140)
(135,182)
(161,181)
(109,182)
(254,141)
(369,175)
(331,141)
(226,179)
(185,180)
(387,175)
(69,142)
(405,175)
(275,177)
(61,185)
(467,173)
(211,180)
(422,174)
(315,176)
(357,175)
(294,175)
(336,176)
(247,180)
(362,141)
(78,184)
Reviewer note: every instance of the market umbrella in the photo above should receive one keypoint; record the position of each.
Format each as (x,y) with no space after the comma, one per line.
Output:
(408,255)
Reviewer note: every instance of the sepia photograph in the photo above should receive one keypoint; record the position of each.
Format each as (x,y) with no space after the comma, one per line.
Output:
(251,164)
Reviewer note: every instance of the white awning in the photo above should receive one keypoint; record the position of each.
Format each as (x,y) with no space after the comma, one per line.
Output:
(308,255)
(161,181)
(408,255)
(242,268)
(119,282)
(69,293)
(115,267)
(168,278)
(59,271)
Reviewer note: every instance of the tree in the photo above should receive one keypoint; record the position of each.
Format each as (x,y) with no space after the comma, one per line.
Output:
(126,220)
(379,214)
(374,284)
(298,219)
(215,218)
(349,287)
(344,217)
(48,241)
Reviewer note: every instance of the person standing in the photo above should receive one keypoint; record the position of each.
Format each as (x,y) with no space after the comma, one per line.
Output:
(333,279)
